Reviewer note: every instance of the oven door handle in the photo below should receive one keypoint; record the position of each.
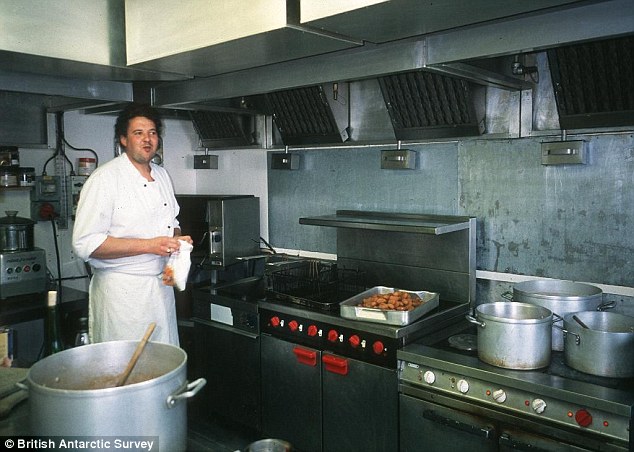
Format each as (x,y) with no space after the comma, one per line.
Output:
(506,440)
(484,432)
(308,357)
(335,364)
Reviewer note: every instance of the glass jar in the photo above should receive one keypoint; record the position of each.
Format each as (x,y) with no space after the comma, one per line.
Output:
(26,176)
(8,177)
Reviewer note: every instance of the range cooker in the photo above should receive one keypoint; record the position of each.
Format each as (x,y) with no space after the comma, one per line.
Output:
(330,383)
(450,400)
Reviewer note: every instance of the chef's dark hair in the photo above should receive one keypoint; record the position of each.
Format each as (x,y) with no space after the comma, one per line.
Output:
(135,110)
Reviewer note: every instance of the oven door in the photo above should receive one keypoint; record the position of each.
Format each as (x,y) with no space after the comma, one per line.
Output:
(429,426)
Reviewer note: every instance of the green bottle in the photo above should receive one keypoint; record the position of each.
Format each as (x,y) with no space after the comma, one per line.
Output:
(53,340)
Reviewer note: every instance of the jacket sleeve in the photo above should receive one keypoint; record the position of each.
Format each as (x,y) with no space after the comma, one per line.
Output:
(93,216)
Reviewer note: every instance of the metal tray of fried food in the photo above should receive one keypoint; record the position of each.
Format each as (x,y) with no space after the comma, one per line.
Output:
(353,308)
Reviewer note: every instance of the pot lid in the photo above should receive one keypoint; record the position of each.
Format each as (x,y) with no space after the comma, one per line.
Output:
(12,219)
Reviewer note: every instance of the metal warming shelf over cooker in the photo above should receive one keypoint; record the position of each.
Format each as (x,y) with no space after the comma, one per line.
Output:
(396,222)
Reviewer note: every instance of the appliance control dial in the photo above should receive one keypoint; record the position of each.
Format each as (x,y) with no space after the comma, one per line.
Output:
(312,330)
(293,325)
(378,347)
(275,321)
(463,386)
(333,335)
(583,417)
(499,395)
(429,377)
(354,341)
(538,406)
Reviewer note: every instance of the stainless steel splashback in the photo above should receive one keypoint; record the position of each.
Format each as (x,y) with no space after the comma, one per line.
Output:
(409,251)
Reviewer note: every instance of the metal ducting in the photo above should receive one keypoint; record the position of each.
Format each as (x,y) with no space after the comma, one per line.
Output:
(594,83)
(425,105)
(220,129)
(311,115)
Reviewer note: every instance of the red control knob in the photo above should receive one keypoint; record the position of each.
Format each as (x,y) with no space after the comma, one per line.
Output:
(275,321)
(378,347)
(333,336)
(354,340)
(583,417)
(312,330)
(293,325)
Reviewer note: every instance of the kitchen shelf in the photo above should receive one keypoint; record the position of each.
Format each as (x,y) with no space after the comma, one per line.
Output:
(393,222)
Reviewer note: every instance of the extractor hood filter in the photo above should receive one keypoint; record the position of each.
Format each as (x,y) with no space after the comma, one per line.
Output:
(311,115)
(594,83)
(220,129)
(428,105)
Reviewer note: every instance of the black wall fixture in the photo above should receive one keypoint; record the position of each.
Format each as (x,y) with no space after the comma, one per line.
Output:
(429,105)
(594,83)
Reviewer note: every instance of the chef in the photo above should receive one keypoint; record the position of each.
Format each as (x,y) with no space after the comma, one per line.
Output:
(126,229)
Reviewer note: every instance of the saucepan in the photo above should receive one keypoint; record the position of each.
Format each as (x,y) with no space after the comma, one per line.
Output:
(600,343)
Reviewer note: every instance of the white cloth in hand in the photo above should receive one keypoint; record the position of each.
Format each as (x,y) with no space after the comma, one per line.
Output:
(180,262)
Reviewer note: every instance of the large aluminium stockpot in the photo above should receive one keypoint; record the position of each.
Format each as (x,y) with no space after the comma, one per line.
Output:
(71,393)
(513,335)
(600,343)
(561,298)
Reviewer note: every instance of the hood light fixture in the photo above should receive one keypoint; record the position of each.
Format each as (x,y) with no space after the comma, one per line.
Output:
(285,160)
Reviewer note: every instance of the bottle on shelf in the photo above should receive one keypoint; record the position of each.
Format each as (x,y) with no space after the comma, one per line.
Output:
(53,337)
(82,335)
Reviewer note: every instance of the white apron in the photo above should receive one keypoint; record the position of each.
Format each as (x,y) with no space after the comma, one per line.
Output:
(126,304)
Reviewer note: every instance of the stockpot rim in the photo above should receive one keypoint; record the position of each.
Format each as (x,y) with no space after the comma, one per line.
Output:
(483,312)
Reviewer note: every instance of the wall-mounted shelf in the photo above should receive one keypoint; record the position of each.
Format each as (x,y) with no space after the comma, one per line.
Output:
(394,222)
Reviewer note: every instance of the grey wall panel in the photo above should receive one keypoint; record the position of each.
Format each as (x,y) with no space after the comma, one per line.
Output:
(351,178)
(566,221)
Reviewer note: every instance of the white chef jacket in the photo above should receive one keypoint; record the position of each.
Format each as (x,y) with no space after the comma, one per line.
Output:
(127,294)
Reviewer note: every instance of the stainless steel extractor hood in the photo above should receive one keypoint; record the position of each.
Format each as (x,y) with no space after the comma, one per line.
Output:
(310,115)
(425,105)
(594,83)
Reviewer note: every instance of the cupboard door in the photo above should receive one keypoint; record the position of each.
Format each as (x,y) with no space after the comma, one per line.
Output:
(360,405)
(291,393)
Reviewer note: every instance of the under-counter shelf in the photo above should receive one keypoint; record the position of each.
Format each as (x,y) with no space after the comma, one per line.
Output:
(394,222)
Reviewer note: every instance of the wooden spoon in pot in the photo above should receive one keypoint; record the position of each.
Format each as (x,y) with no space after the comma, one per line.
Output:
(135,357)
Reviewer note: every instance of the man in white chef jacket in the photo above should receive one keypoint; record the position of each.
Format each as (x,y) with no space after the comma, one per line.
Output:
(126,229)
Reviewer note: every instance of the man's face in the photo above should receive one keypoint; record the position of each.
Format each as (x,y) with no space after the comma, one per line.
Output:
(142,140)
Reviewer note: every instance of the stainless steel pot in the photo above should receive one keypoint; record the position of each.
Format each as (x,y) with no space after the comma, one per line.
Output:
(63,403)
(605,348)
(16,234)
(560,297)
(513,335)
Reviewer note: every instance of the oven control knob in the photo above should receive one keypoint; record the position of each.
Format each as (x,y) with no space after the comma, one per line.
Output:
(354,340)
(293,325)
(333,335)
(583,417)
(312,330)
(499,395)
(463,386)
(275,321)
(429,377)
(378,347)
(538,406)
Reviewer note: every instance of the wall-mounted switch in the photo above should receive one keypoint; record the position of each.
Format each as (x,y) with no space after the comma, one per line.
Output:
(398,159)
(205,162)
(284,160)
(564,152)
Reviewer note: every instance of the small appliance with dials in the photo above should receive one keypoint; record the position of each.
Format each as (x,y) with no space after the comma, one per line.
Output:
(22,272)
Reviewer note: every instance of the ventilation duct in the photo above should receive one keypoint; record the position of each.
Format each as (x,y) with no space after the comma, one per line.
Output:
(220,129)
(426,105)
(311,115)
(594,83)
